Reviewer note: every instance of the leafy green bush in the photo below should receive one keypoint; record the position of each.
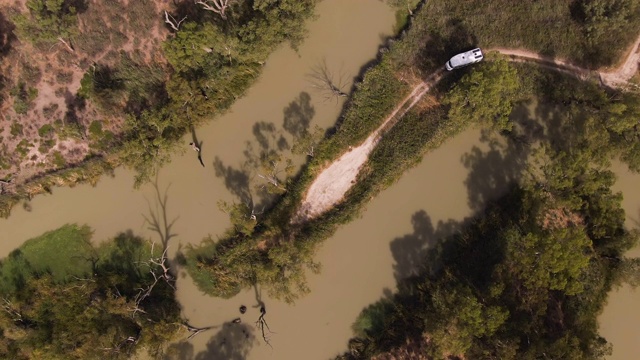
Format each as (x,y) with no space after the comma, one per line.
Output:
(16,129)
(23,147)
(46,145)
(47,21)
(23,97)
(68,130)
(95,128)
(45,130)
(58,160)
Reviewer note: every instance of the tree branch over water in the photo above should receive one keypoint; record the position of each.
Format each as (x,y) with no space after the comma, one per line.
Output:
(329,85)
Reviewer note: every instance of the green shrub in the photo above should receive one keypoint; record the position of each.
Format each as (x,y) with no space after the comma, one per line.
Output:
(50,110)
(16,129)
(23,147)
(23,98)
(47,21)
(58,160)
(95,128)
(68,130)
(45,130)
(46,145)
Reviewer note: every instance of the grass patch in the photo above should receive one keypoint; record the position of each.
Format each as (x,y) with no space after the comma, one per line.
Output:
(58,160)
(556,28)
(63,253)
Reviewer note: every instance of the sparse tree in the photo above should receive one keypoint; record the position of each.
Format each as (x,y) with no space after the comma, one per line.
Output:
(307,143)
(242,216)
(270,171)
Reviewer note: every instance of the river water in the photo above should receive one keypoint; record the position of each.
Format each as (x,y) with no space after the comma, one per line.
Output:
(362,261)
(346,36)
(619,322)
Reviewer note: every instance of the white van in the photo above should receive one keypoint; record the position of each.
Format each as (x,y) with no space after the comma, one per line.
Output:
(464,59)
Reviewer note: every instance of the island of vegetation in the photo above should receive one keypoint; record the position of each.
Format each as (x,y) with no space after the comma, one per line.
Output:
(524,279)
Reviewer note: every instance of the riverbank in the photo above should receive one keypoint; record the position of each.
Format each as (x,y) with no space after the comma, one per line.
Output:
(129,105)
(193,191)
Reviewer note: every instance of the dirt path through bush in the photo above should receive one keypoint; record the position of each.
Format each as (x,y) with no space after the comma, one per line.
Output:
(333,182)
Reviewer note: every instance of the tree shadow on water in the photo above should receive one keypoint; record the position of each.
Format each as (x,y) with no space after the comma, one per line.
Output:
(236,180)
(298,115)
(179,351)
(492,172)
(417,256)
(269,142)
(268,137)
(157,219)
(232,342)
(411,251)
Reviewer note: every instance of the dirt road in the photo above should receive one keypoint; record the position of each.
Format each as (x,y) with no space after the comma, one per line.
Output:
(333,182)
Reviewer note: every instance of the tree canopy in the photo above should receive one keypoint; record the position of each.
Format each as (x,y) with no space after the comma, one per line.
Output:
(117,303)
(486,95)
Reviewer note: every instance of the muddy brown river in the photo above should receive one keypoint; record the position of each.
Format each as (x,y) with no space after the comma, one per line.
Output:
(361,262)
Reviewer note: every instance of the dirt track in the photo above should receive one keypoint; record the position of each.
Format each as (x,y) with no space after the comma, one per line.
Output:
(333,182)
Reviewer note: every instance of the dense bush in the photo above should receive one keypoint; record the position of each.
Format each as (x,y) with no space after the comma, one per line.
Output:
(65,298)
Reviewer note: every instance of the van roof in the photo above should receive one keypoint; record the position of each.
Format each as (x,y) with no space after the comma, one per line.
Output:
(465,58)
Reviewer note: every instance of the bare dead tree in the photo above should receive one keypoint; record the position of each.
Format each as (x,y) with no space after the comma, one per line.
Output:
(8,307)
(169,19)
(82,283)
(155,264)
(324,81)
(66,44)
(261,323)
(196,330)
(128,341)
(217,6)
